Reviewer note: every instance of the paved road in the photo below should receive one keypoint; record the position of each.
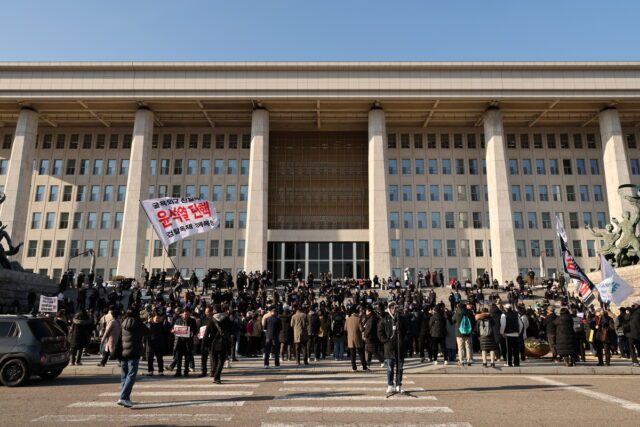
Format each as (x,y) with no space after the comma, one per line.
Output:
(269,398)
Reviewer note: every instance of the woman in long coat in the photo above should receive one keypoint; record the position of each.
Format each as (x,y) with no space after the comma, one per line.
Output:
(484,326)
(81,328)
(355,344)
(566,339)
(110,338)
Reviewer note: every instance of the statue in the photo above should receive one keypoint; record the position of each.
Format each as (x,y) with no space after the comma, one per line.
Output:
(5,253)
(609,249)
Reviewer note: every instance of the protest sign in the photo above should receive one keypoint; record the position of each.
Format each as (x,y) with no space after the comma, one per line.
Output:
(175,218)
(48,304)
(181,331)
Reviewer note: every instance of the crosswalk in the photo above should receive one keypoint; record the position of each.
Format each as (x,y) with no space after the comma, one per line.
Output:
(275,400)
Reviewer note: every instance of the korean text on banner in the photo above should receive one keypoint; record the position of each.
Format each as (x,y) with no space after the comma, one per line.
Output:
(181,331)
(175,218)
(48,304)
(202,331)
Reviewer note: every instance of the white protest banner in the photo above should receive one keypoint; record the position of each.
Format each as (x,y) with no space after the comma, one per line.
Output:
(174,218)
(613,288)
(181,331)
(48,304)
(201,332)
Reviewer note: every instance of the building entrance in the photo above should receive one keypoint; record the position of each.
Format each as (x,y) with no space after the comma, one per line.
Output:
(341,259)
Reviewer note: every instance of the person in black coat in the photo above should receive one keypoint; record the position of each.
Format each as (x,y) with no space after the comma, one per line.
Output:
(81,328)
(272,328)
(133,331)
(438,333)
(286,335)
(217,335)
(604,337)
(157,342)
(550,329)
(566,340)
(633,334)
(183,346)
(370,335)
(392,332)
(485,331)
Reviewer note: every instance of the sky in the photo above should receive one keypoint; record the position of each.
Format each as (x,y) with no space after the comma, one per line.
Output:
(321,30)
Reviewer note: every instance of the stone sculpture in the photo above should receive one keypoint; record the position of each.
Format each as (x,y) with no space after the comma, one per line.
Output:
(12,250)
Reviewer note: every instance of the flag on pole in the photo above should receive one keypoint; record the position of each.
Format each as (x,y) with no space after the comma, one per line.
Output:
(612,288)
(560,230)
(542,270)
(574,271)
(175,218)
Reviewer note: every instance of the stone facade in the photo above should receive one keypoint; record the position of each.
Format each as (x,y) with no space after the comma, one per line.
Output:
(14,285)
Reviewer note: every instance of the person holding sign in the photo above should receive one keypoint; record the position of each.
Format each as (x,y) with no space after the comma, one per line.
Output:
(184,330)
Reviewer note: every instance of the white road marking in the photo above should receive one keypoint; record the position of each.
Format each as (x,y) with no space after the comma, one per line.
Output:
(130,418)
(341,382)
(594,394)
(310,389)
(351,397)
(335,377)
(99,404)
(182,393)
(359,409)
(157,386)
(276,424)
(172,379)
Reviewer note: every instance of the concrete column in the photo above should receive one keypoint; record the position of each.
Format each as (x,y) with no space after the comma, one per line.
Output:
(503,248)
(615,161)
(17,189)
(134,226)
(257,208)
(379,255)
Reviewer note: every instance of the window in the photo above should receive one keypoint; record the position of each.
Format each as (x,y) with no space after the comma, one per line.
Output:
(529,194)
(473,166)
(435,219)
(244,193)
(581,167)
(537,140)
(395,248)
(108,193)
(71,167)
(465,249)
(74,248)
(463,219)
(535,248)
(40,193)
(233,141)
(417,140)
(111,167)
(436,247)
(477,219)
(459,166)
(423,248)
(406,167)
(591,248)
(524,140)
(105,220)
(521,248)
(220,141)
(408,248)
(571,193)
(431,140)
(177,167)
(511,140)
(246,141)
(408,220)
(98,166)
(479,247)
(229,219)
(91,220)
(548,248)
(635,166)
(532,220)
(471,140)
(553,167)
(517,220)
(447,193)
(546,220)
(422,219)
(526,167)
(475,193)
(126,141)
(564,141)
(540,168)
(573,220)
(556,193)
(64,220)
(451,248)
(122,193)
(50,220)
(577,248)
(446,167)
(543,193)
(46,249)
(457,140)
(66,193)
(516,196)
(584,193)
(94,196)
(231,193)
(591,140)
(32,248)
(551,140)
(421,195)
(595,167)
(566,166)
(601,219)
(115,248)
(513,167)
(406,193)
(448,220)
(241,244)
(190,191)
(419,167)
(176,190)
(77,220)
(394,220)
(433,166)
(444,140)
(587,218)
(44,167)
(213,248)
(434,193)
(232,167)
(153,166)
(172,250)
(164,167)
(631,141)
(242,220)
(57,167)
(186,248)
(218,167)
(391,140)
(117,223)
(597,193)
(217,193)
(103,248)
(393,166)
(46,141)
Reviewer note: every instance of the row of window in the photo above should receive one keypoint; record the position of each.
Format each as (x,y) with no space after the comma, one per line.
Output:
(202,168)
(84,167)
(463,248)
(532,219)
(556,193)
(567,167)
(469,140)
(233,193)
(186,248)
(434,193)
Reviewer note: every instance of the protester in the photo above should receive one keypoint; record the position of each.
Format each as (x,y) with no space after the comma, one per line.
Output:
(133,331)
(392,333)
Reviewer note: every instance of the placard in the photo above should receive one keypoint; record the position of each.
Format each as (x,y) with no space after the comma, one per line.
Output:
(201,332)
(181,331)
(48,304)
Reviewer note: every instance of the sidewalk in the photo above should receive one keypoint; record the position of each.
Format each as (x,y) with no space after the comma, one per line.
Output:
(412,365)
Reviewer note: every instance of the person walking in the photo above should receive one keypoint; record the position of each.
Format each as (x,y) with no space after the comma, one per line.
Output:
(218,339)
(110,337)
(355,344)
(273,326)
(133,332)
(156,343)
(392,333)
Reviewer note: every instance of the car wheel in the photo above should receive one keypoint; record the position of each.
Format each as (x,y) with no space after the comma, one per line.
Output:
(14,372)
(49,375)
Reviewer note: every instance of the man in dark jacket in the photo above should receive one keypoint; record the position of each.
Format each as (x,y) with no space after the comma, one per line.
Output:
(634,332)
(133,331)
(370,335)
(184,344)
(157,342)
(272,328)
(438,333)
(550,329)
(217,335)
(392,332)
(205,344)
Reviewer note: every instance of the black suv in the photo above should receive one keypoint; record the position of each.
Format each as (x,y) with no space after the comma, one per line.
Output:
(31,346)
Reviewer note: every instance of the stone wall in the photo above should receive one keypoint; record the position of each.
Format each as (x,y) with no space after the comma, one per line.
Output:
(631,275)
(14,285)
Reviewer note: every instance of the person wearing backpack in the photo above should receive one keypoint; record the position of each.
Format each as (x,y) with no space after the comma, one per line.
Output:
(463,323)
(510,328)
(484,328)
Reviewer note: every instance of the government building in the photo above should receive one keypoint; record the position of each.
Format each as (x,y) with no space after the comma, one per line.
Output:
(360,169)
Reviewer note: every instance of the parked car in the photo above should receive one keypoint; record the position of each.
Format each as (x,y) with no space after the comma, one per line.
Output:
(31,346)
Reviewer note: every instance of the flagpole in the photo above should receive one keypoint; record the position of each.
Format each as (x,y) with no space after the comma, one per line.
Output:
(165,248)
